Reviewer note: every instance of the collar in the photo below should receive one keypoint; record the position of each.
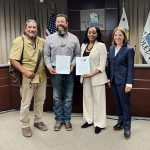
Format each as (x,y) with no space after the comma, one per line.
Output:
(29,41)
(64,35)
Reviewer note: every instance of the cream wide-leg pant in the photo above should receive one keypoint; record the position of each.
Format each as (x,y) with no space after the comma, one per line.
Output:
(94,103)
(38,91)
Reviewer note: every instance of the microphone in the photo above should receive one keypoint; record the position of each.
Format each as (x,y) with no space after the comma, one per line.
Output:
(134,47)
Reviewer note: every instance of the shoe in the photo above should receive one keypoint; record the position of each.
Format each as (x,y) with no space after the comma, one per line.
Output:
(127,134)
(118,126)
(86,125)
(68,126)
(26,132)
(97,130)
(57,126)
(41,126)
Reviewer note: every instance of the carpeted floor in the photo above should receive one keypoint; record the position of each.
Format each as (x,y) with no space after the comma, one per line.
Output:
(78,139)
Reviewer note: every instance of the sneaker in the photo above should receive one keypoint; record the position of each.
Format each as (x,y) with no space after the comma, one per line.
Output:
(26,132)
(41,126)
(68,126)
(57,126)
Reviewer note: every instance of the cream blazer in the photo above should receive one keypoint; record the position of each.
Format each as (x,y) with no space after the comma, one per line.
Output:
(98,58)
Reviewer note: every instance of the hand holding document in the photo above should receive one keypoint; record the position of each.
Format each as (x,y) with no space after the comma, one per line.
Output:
(63,64)
(82,65)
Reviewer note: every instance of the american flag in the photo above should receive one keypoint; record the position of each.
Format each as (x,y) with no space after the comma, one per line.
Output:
(51,28)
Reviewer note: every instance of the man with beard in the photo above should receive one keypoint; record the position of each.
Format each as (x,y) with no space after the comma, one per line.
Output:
(29,46)
(63,43)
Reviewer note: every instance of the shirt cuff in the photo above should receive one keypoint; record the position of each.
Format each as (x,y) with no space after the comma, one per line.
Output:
(129,85)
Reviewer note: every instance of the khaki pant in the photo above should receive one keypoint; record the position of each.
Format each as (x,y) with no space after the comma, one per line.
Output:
(94,104)
(36,91)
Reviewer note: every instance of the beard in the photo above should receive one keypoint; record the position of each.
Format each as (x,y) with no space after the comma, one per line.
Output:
(61,30)
(31,36)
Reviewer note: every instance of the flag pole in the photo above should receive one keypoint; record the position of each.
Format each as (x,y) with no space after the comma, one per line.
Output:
(126,31)
(52,8)
(123,4)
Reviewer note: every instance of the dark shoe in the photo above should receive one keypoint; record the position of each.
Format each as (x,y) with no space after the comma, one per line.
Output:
(26,132)
(86,125)
(68,126)
(127,134)
(41,126)
(57,126)
(118,126)
(97,130)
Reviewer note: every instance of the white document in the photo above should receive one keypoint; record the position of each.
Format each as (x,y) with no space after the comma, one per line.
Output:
(82,65)
(63,64)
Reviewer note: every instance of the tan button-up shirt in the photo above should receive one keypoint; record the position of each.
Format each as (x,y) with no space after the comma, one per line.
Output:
(30,54)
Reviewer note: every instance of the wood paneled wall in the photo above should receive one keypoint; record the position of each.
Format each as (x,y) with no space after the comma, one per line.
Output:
(140,103)
(111,16)
(5,102)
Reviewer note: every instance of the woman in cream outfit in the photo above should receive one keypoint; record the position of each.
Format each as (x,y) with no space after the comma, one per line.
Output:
(94,97)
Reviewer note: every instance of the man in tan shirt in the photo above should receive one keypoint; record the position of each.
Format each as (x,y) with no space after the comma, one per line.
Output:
(33,83)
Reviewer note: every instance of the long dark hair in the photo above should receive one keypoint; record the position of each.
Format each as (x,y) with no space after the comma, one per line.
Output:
(99,35)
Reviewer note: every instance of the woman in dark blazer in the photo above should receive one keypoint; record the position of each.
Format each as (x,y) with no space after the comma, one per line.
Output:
(121,67)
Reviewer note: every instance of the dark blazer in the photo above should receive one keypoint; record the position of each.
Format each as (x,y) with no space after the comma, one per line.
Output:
(121,66)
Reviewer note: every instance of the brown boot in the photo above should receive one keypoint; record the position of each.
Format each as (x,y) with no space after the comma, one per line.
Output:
(68,126)
(57,126)
(41,126)
(26,132)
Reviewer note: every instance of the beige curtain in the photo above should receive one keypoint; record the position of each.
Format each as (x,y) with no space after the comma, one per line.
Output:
(14,13)
(137,13)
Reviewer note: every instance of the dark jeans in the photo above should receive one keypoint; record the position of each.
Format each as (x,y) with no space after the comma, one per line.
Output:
(62,96)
